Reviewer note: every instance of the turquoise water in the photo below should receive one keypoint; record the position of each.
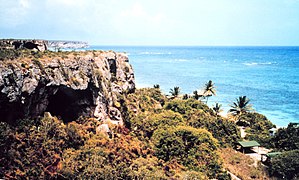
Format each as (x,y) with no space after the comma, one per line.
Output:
(268,76)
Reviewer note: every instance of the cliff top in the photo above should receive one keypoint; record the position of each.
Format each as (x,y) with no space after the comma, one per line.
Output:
(40,44)
(26,55)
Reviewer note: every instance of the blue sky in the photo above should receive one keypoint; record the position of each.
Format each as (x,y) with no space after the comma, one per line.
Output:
(154,22)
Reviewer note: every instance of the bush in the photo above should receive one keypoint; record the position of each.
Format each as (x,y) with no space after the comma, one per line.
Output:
(259,127)
(225,131)
(32,151)
(285,165)
(186,106)
(145,124)
(199,115)
(287,138)
(191,147)
(103,158)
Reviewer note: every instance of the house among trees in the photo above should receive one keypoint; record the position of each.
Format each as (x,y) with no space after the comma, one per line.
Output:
(266,158)
(245,146)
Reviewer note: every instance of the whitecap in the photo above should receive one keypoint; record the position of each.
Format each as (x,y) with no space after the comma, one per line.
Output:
(250,64)
(154,53)
(181,60)
(255,63)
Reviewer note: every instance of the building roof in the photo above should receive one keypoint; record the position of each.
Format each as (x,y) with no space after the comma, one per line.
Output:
(245,144)
(271,154)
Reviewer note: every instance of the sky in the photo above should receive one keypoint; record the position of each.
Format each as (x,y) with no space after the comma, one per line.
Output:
(154,22)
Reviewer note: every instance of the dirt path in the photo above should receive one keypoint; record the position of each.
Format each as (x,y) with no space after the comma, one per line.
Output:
(243,133)
(256,156)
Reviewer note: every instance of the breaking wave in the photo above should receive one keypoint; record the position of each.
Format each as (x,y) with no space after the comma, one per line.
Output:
(258,63)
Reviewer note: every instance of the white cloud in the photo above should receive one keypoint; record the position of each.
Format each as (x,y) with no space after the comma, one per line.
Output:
(14,13)
(140,22)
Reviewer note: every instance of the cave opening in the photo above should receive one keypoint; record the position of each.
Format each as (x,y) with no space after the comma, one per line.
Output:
(69,104)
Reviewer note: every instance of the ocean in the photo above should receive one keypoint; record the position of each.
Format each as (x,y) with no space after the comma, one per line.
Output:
(268,76)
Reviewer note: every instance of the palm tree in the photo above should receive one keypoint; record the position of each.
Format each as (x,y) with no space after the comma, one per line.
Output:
(186,96)
(175,92)
(217,109)
(196,95)
(209,90)
(156,86)
(241,106)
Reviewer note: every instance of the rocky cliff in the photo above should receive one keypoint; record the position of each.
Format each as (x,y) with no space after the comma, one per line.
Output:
(40,45)
(66,84)
(67,44)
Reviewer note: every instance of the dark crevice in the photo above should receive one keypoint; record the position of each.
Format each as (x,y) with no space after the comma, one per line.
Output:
(69,104)
(10,112)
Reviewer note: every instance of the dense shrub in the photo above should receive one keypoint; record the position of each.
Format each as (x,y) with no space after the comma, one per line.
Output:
(199,115)
(258,127)
(158,143)
(225,131)
(287,138)
(146,99)
(103,158)
(191,147)
(9,54)
(285,165)
(32,151)
(144,124)
(186,106)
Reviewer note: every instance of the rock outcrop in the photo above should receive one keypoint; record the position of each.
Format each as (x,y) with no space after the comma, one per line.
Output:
(66,84)
(68,44)
(40,45)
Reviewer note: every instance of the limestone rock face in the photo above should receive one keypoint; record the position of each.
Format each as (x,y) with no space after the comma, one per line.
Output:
(40,45)
(68,86)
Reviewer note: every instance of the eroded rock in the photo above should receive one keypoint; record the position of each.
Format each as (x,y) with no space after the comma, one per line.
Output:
(79,84)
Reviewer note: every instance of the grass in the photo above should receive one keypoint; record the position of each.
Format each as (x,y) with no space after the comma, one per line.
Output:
(242,165)
(27,55)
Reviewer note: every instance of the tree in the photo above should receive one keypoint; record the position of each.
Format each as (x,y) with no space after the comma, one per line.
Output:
(285,165)
(287,138)
(196,95)
(186,96)
(217,109)
(240,107)
(157,86)
(193,148)
(175,92)
(209,90)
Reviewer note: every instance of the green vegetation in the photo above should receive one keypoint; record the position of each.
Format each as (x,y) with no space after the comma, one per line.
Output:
(242,165)
(257,128)
(209,90)
(240,107)
(175,92)
(199,115)
(217,109)
(194,148)
(163,138)
(287,139)
(196,95)
(285,165)
(28,55)
(9,54)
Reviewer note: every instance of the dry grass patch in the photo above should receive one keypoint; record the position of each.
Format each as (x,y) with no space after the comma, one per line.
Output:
(242,165)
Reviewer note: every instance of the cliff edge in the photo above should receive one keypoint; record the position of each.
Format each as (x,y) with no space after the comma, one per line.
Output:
(40,44)
(66,84)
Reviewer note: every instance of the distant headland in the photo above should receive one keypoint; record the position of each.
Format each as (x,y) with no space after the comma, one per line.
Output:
(40,44)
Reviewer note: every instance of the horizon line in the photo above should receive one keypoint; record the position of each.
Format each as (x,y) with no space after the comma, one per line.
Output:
(107,45)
